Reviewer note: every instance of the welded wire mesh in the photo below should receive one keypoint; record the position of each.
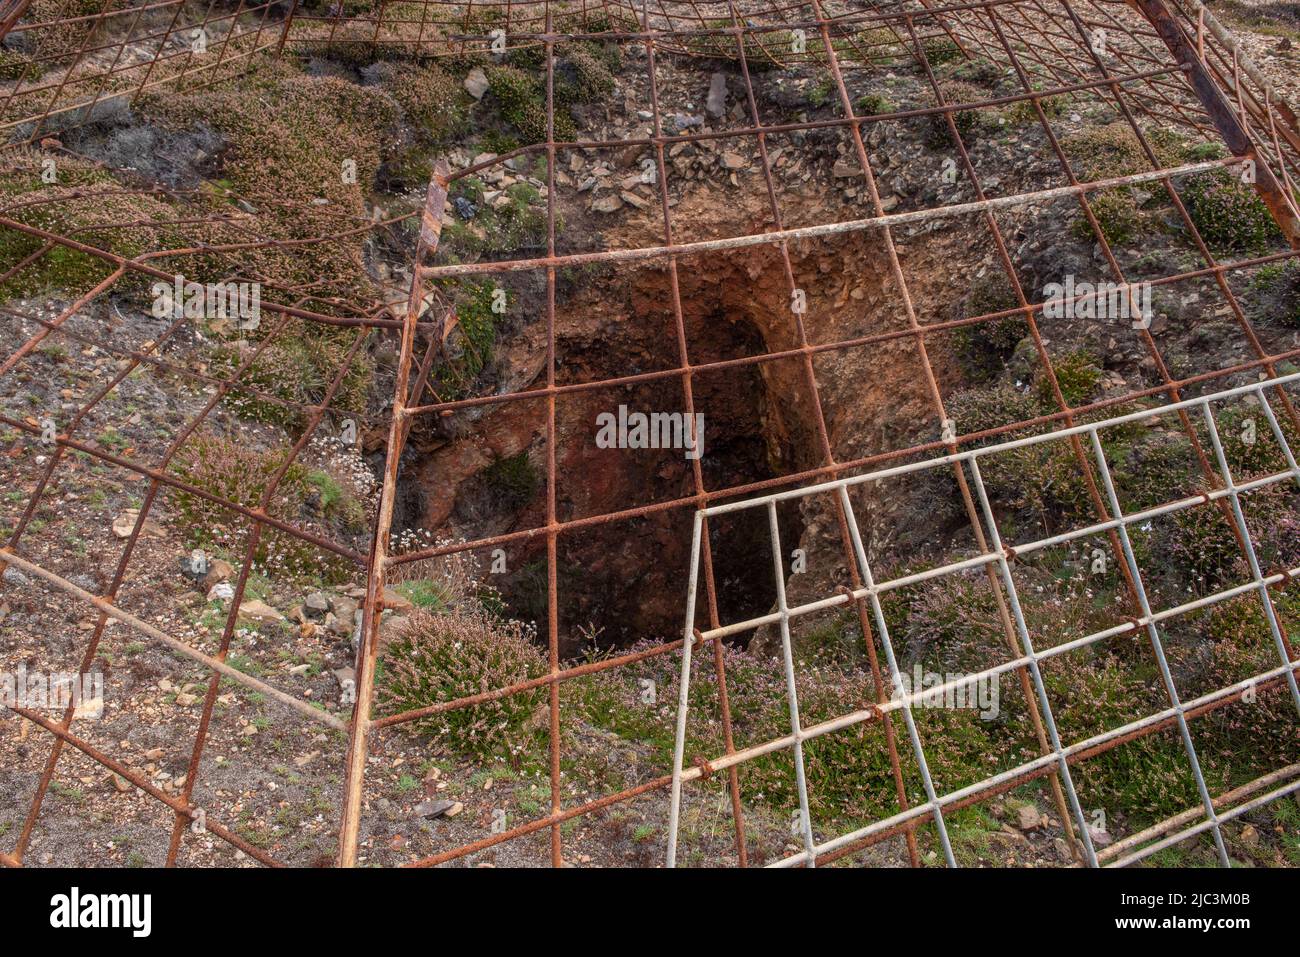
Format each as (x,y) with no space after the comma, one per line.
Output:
(1170,63)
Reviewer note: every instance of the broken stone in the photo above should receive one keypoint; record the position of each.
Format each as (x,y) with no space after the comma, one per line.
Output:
(1100,837)
(437,809)
(256,610)
(1029,818)
(345,617)
(221,591)
(476,83)
(397,602)
(219,570)
(124,524)
(734,161)
(316,607)
(608,204)
(716,104)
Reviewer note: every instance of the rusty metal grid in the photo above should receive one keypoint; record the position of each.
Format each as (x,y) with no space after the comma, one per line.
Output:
(1170,61)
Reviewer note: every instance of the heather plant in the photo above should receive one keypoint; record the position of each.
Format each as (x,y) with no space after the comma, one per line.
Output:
(521,99)
(86,201)
(296,368)
(65,24)
(1077,375)
(231,469)
(1109,152)
(431,100)
(1277,287)
(1228,214)
(983,348)
(289,136)
(936,132)
(434,657)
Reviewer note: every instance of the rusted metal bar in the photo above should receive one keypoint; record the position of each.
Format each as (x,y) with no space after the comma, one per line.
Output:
(435,202)
(1224,117)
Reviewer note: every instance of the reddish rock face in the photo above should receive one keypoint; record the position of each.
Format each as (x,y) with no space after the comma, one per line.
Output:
(627,579)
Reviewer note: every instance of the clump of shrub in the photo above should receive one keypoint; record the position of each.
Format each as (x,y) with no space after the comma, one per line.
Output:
(521,99)
(977,70)
(821,91)
(940,50)
(430,98)
(1022,112)
(1078,376)
(86,202)
(1157,470)
(230,469)
(289,136)
(872,104)
(65,39)
(1117,216)
(763,50)
(470,347)
(983,348)
(512,481)
(15,65)
(1108,152)
(296,368)
(1229,214)
(1277,286)
(935,130)
(435,657)
(584,72)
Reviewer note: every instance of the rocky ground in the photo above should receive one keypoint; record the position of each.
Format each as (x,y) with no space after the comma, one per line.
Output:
(274,777)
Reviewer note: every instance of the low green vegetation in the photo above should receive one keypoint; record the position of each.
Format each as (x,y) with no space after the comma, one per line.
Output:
(437,657)
(230,469)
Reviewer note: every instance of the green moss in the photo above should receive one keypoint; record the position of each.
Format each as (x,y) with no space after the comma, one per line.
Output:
(1079,378)
(872,104)
(471,345)
(512,481)
(821,91)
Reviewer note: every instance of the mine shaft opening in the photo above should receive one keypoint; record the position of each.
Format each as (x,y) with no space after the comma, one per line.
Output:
(625,581)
